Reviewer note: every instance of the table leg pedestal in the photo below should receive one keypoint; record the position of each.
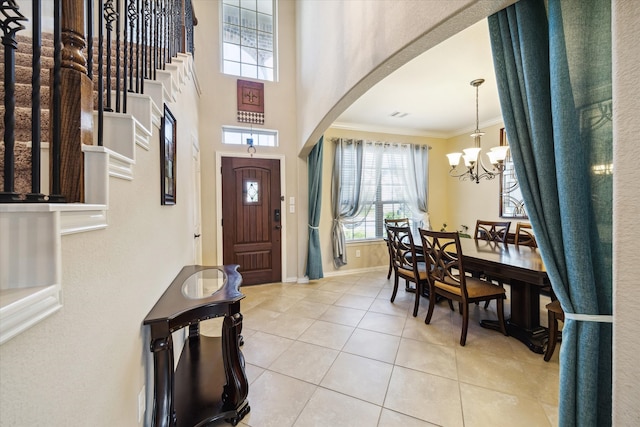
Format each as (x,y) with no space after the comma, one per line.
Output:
(234,396)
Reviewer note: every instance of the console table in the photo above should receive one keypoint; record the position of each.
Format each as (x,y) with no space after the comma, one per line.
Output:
(209,382)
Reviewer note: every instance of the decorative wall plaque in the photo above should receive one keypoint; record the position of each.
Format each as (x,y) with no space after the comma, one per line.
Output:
(250,102)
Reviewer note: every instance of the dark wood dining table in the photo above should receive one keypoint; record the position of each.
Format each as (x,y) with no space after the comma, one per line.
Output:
(522,268)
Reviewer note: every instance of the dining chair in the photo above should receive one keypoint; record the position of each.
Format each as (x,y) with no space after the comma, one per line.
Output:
(555,313)
(445,267)
(406,264)
(396,222)
(493,231)
(524,235)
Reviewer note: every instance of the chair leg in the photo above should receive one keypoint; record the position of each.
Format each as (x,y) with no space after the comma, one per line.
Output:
(417,301)
(553,336)
(395,288)
(465,323)
(451,305)
(432,304)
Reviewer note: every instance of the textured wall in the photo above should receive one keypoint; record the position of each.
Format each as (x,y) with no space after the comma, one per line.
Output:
(626,104)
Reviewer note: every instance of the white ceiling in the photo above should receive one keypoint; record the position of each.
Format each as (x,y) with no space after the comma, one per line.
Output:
(434,90)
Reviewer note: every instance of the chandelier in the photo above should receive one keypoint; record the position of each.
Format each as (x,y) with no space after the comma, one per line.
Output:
(475,169)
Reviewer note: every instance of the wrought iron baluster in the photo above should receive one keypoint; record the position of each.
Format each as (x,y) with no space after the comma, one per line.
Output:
(165,33)
(10,26)
(110,15)
(145,49)
(101,75)
(36,110)
(55,113)
(156,45)
(118,55)
(89,18)
(137,47)
(132,14)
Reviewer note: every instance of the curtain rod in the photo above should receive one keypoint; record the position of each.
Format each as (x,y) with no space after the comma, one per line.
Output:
(385,143)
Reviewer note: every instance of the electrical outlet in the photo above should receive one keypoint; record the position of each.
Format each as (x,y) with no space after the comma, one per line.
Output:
(357,253)
(141,404)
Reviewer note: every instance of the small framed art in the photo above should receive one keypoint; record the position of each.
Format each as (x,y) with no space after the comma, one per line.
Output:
(168,158)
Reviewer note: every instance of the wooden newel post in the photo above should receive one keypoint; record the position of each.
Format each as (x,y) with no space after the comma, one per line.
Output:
(76,113)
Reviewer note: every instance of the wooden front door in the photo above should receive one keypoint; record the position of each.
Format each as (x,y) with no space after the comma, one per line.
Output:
(251,218)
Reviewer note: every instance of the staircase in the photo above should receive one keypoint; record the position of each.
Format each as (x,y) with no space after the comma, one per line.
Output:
(30,288)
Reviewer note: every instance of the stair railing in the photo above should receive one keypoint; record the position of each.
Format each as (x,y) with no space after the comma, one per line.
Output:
(140,35)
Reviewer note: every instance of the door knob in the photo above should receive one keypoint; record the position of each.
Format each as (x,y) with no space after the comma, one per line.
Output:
(278,227)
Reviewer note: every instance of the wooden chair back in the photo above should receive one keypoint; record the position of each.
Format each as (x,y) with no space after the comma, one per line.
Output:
(524,236)
(401,248)
(493,231)
(442,251)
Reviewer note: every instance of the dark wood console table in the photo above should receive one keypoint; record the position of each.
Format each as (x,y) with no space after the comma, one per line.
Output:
(209,382)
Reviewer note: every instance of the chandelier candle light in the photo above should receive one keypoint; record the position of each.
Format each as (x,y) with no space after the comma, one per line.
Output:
(472,156)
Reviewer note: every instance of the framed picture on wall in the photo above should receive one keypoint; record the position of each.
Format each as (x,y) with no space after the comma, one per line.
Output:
(511,201)
(168,158)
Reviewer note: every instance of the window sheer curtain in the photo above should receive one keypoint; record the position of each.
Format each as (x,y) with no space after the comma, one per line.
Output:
(356,177)
(356,173)
(416,175)
(554,82)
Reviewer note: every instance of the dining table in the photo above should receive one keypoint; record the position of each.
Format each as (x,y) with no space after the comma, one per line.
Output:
(522,268)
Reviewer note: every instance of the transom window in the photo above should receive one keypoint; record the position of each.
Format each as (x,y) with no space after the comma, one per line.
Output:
(248,38)
(240,136)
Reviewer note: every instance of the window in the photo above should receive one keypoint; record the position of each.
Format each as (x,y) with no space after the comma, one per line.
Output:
(383,177)
(248,38)
(239,136)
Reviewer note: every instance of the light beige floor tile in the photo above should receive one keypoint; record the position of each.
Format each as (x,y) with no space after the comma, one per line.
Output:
(397,308)
(395,419)
(354,301)
(308,309)
(493,372)
(287,326)
(359,377)
(343,315)
(306,362)
(327,334)
(328,408)
(374,345)
(252,372)
(439,398)
(256,317)
(278,303)
(363,290)
(324,297)
(438,332)
(276,400)
(384,323)
(543,382)
(484,407)
(263,349)
(335,286)
(552,414)
(426,357)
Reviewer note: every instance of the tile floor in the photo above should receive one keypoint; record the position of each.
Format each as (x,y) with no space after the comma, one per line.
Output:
(337,352)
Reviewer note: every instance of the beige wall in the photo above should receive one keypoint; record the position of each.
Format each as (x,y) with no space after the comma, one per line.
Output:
(467,200)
